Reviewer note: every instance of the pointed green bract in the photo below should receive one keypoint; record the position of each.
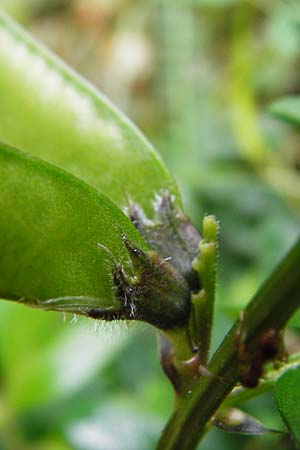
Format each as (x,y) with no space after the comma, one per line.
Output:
(50,111)
(59,238)
(287,396)
(236,421)
(287,109)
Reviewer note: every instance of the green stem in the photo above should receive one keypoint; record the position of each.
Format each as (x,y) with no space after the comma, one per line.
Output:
(179,340)
(271,307)
(203,301)
(178,360)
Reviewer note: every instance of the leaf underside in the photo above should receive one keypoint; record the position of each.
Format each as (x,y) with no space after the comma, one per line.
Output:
(50,111)
(59,237)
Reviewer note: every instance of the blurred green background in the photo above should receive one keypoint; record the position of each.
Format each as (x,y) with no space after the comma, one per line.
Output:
(198,77)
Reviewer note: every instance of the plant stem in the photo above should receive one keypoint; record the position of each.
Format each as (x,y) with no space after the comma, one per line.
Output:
(271,307)
(203,301)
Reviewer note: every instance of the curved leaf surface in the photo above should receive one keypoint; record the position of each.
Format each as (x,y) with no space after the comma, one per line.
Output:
(50,111)
(59,237)
(66,247)
(287,109)
(287,396)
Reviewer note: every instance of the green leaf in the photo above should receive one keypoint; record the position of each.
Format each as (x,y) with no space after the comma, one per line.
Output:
(137,429)
(64,246)
(287,109)
(50,111)
(51,225)
(287,396)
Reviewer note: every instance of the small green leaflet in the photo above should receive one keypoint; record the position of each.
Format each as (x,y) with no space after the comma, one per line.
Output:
(287,396)
(287,109)
(54,230)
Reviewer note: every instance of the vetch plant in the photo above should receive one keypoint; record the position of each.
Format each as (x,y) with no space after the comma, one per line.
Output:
(92,223)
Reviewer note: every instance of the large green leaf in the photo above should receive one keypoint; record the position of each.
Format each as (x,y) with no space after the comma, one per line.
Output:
(65,246)
(287,396)
(50,111)
(51,225)
(287,109)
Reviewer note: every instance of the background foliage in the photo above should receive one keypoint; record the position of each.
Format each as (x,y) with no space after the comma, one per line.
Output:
(198,78)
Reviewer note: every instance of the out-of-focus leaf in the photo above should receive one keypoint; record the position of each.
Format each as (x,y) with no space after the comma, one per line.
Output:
(287,396)
(52,444)
(51,225)
(113,427)
(235,421)
(78,359)
(125,367)
(287,109)
(16,8)
(212,2)
(26,368)
(50,111)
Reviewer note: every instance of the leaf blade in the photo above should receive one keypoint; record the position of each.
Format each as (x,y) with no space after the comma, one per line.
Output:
(50,227)
(50,111)
(287,397)
(66,247)
(287,109)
